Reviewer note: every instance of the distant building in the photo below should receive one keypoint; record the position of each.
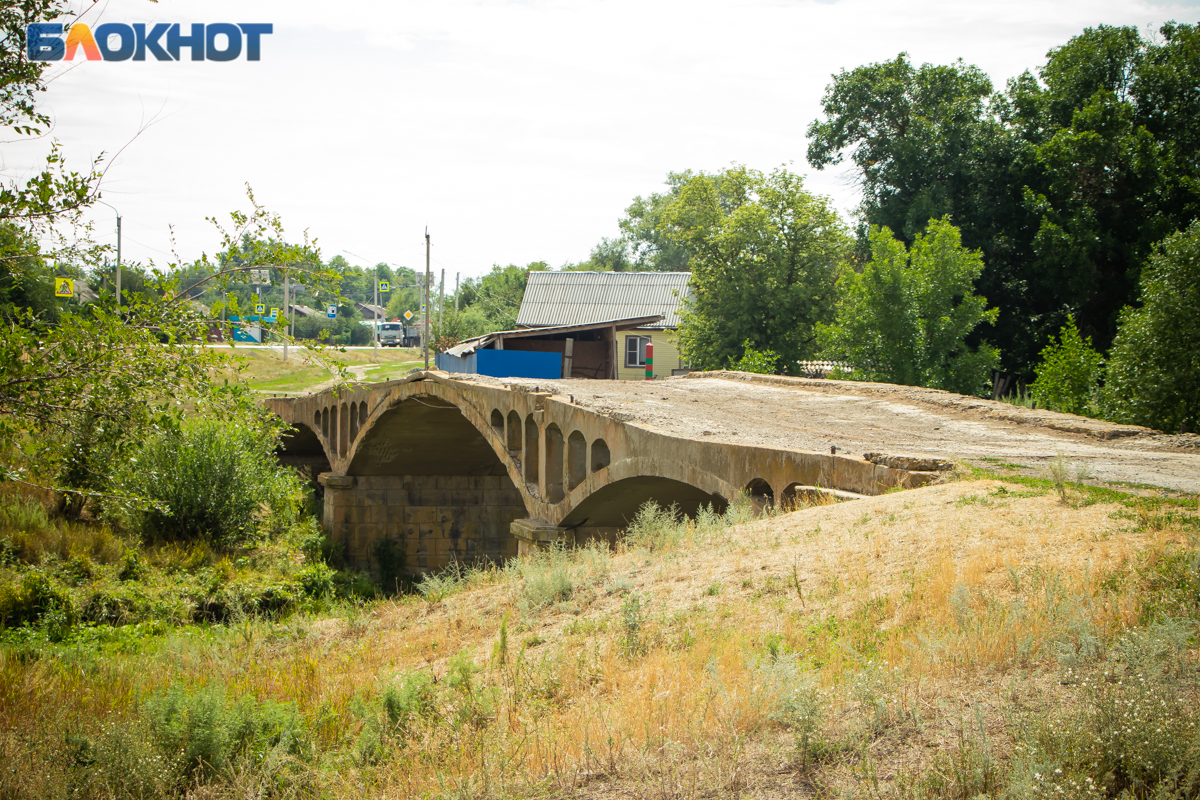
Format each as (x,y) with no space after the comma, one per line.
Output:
(371,311)
(589,298)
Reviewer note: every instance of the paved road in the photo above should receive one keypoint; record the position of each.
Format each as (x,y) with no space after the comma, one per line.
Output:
(816,415)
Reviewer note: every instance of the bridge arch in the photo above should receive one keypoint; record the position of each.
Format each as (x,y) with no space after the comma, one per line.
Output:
(429,480)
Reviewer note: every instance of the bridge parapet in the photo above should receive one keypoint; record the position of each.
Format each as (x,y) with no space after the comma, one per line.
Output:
(442,466)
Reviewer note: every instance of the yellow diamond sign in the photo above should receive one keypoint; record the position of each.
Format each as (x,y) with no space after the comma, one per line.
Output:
(408,315)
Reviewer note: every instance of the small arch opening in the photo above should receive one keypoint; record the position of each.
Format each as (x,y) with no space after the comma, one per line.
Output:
(554,463)
(362,414)
(762,496)
(317,420)
(333,430)
(498,422)
(343,438)
(531,451)
(514,432)
(325,423)
(798,496)
(576,459)
(353,422)
(600,455)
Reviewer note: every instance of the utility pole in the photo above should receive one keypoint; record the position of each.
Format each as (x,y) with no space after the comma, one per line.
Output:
(286,325)
(114,208)
(456,291)
(375,314)
(441,300)
(425,334)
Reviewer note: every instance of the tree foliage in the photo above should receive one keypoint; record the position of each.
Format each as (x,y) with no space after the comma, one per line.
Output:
(1068,374)
(907,317)
(1153,375)
(764,255)
(1063,181)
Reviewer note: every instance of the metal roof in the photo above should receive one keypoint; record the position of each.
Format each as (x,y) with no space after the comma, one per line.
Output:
(471,345)
(573,298)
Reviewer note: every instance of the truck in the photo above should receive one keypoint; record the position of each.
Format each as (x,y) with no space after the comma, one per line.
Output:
(396,334)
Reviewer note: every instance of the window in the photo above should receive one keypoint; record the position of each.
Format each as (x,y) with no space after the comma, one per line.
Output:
(635,350)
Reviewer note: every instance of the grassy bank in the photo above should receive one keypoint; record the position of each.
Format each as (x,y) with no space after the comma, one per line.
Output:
(983,637)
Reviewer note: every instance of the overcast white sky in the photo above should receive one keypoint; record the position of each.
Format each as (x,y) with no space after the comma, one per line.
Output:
(517,131)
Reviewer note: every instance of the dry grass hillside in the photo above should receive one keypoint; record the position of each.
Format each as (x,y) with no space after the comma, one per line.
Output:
(979,637)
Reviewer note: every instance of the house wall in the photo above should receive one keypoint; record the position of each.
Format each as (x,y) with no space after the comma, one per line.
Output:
(666,354)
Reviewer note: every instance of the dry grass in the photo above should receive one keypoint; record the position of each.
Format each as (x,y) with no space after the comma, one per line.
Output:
(885,627)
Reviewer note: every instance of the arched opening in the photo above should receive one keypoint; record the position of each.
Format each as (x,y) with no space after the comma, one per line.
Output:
(353,422)
(600,455)
(554,463)
(325,423)
(514,433)
(761,495)
(576,459)
(498,422)
(333,430)
(425,489)
(798,496)
(362,414)
(531,451)
(343,432)
(317,420)
(610,509)
(300,449)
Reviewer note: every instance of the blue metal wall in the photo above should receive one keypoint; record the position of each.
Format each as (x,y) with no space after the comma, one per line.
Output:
(504,364)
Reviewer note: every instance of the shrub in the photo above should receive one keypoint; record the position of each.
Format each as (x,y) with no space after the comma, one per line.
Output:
(219,483)
(763,362)
(34,598)
(1068,373)
(204,734)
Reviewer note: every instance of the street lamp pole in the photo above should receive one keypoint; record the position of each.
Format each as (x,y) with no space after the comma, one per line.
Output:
(114,208)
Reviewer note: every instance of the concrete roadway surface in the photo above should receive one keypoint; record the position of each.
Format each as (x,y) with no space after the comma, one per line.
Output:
(856,418)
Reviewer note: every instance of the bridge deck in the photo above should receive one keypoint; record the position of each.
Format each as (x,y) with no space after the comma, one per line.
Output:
(814,415)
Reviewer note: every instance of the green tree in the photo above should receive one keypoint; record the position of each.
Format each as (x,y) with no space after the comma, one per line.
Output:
(1064,181)
(1153,375)
(1068,374)
(498,294)
(907,317)
(764,255)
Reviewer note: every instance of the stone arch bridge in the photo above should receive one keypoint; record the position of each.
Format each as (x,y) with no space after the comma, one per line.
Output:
(454,469)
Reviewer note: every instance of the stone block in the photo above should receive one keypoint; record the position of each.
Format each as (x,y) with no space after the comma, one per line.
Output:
(493,482)
(495,497)
(397,496)
(366,534)
(452,481)
(420,514)
(435,497)
(466,497)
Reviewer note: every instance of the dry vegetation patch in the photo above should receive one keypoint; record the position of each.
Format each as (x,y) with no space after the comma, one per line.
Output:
(907,644)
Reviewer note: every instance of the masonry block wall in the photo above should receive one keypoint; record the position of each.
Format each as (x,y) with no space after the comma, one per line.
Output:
(439,519)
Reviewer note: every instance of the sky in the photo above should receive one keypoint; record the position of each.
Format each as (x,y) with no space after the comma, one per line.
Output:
(514,131)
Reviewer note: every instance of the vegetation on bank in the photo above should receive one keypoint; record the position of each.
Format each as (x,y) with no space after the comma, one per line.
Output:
(870,647)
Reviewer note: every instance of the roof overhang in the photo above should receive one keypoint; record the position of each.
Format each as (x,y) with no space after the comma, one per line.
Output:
(482,342)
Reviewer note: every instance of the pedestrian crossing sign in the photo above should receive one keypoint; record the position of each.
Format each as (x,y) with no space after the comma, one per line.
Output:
(260,308)
(384,286)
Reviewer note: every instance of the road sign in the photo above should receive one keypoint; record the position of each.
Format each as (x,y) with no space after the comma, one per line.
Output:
(274,314)
(331,311)
(384,286)
(64,287)
(408,315)
(422,309)
(260,308)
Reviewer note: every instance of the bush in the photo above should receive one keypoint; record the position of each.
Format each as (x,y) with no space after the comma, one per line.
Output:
(763,362)
(34,598)
(1068,373)
(203,734)
(218,483)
